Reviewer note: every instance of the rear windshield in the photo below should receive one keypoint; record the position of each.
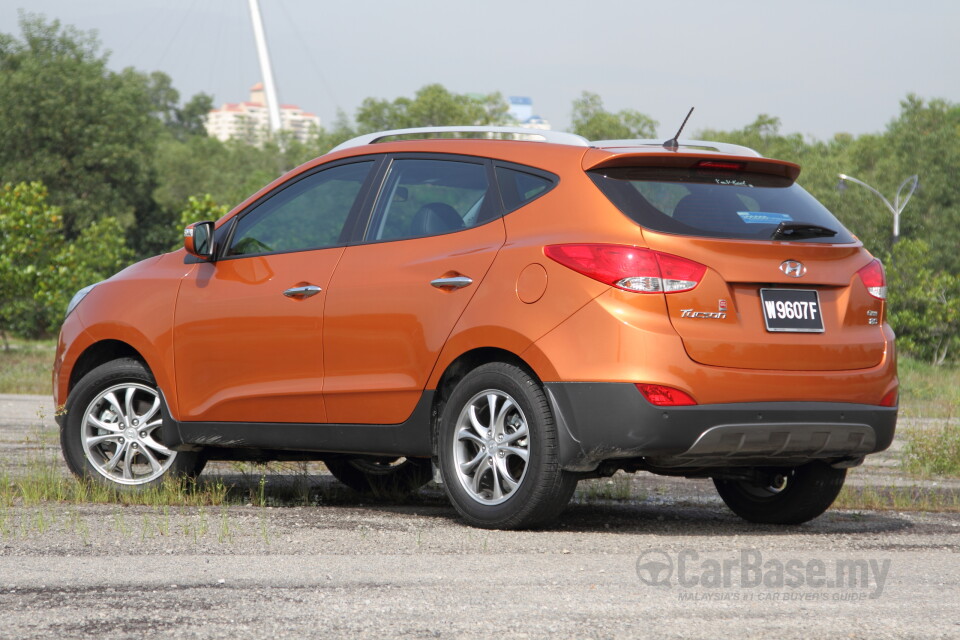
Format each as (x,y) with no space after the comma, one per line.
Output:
(715,204)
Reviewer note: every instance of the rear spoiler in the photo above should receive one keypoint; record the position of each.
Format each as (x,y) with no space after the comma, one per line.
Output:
(685,159)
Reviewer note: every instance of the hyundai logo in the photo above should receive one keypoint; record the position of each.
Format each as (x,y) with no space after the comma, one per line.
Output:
(793,268)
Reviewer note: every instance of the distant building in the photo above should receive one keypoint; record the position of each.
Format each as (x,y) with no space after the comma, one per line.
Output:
(521,108)
(250,121)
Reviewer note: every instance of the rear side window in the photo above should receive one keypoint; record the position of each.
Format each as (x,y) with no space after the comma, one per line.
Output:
(715,204)
(517,187)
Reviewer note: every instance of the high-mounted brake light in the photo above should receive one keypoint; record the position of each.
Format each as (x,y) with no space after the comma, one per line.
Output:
(874,279)
(629,268)
(664,396)
(720,164)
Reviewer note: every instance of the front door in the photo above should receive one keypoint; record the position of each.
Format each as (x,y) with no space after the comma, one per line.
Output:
(248,328)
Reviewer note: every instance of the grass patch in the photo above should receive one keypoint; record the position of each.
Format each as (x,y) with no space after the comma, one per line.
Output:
(932,452)
(261,485)
(26,367)
(46,483)
(898,499)
(927,391)
(617,487)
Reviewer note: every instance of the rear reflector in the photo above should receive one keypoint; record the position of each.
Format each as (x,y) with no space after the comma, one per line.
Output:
(874,279)
(890,400)
(629,268)
(663,396)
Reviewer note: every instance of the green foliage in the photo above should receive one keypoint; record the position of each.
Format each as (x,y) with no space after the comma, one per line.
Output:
(88,133)
(27,223)
(593,122)
(200,209)
(181,122)
(68,121)
(39,270)
(924,303)
(228,171)
(432,106)
(925,140)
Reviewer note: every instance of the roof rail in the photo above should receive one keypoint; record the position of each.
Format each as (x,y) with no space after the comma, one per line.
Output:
(557,137)
(720,147)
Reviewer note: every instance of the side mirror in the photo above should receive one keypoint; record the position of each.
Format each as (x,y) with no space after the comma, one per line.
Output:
(198,240)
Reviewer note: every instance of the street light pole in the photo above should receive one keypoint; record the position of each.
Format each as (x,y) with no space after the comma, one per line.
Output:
(899,201)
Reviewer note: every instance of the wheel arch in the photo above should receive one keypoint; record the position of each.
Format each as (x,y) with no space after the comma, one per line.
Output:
(100,353)
(460,367)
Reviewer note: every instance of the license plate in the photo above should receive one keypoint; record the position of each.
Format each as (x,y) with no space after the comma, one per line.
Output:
(796,310)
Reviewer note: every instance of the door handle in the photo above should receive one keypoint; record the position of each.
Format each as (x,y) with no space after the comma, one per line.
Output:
(302,292)
(454,282)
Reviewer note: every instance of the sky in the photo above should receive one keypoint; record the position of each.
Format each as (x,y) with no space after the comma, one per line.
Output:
(821,66)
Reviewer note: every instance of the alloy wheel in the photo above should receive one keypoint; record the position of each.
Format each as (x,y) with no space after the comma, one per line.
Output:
(119,435)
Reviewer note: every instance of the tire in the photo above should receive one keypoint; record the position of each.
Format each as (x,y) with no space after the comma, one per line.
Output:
(110,431)
(498,451)
(381,476)
(793,497)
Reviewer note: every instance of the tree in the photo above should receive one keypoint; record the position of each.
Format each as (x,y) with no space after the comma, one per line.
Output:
(432,106)
(593,122)
(39,270)
(27,223)
(67,120)
(924,304)
(181,122)
(925,140)
(199,209)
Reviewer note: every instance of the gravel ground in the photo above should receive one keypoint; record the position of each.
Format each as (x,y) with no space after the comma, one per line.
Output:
(671,564)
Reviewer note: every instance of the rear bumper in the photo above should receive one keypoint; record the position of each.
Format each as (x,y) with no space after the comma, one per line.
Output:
(600,421)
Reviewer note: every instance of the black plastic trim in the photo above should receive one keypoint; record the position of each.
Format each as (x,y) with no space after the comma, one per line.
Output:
(409,438)
(522,168)
(600,421)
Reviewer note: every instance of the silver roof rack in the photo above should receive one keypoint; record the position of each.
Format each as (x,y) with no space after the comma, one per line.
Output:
(539,135)
(719,147)
(556,137)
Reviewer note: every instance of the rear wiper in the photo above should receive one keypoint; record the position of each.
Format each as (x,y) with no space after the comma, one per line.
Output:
(801,230)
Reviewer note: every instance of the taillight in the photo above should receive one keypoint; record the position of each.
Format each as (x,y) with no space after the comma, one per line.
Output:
(874,279)
(664,396)
(629,268)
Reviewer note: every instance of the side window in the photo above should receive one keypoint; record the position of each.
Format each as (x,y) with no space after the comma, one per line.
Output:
(517,188)
(309,214)
(423,197)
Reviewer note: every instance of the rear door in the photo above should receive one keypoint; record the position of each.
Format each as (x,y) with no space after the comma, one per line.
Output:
(791,300)
(394,299)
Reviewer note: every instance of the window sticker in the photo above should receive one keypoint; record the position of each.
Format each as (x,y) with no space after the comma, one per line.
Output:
(732,182)
(762,217)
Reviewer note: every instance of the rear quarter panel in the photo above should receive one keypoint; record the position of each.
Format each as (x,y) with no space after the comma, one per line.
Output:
(574,211)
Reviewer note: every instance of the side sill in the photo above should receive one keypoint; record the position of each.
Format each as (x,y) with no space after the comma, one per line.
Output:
(411,437)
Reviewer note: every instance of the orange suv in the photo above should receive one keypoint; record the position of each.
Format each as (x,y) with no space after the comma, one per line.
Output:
(505,315)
